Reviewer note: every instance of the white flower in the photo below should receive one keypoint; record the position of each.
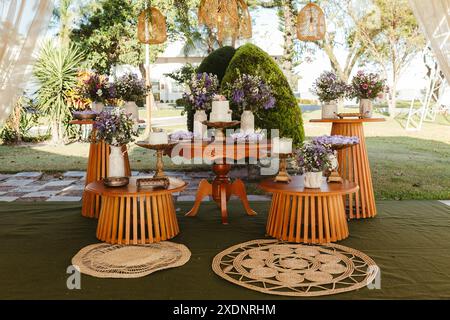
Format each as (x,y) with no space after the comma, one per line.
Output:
(99,92)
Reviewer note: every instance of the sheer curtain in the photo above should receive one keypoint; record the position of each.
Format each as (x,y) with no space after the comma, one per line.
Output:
(434,19)
(22,23)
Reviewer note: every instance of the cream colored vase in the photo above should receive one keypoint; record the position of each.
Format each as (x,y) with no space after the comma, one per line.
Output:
(97,106)
(329,110)
(247,122)
(116,164)
(131,107)
(313,180)
(365,108)
(199,127)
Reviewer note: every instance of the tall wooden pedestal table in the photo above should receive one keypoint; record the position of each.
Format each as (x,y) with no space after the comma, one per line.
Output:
(132,216)
(298,214)
(221,188)
(97,169)
(354,166)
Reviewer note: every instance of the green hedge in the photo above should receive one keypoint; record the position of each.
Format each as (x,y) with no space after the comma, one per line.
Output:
(216,63)
(286,116)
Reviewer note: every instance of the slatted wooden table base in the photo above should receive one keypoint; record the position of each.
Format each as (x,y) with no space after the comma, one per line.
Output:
(354,166)
(302,215)
(130,216)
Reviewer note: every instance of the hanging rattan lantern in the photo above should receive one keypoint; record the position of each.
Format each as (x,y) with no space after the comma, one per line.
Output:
(152,26)
(311,24)
(230,18)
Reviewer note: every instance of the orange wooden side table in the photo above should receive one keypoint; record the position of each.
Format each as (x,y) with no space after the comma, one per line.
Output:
(221,188)
(354,166)
(132,216)
(97,169)
(298,214)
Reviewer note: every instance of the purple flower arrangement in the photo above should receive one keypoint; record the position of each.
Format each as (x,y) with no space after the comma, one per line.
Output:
(251,92)
(367,86)
(131,88)
(313,157)
(329,88)
(336,140)
(203,87)
(97,88)
(115,127)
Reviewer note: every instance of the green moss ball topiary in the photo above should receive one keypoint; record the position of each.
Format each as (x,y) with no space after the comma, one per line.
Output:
(286,116)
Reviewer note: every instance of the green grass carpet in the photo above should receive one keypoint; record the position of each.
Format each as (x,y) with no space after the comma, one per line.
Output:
(409,240)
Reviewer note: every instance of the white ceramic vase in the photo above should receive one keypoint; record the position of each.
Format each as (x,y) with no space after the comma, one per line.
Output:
(247,122)
(313,180)
(329,110)
(132,108)
(97,106)
(116,164)
(199,127)
(365,108)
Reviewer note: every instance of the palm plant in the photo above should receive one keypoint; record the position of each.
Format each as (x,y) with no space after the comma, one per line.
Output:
(56,73)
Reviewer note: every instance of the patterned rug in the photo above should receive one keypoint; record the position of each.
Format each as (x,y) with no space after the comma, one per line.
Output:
(291,269)
(103,260)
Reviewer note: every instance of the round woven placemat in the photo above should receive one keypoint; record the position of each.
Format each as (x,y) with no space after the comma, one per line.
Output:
(103,260)
(292,269)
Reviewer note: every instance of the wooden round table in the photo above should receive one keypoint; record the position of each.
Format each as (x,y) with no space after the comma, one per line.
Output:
(298,214)
(221,155)
(97,169)
(354,165)
(132,216)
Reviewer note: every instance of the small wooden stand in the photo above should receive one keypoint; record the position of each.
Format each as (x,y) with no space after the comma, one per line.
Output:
(283,175)
(160,149)
(220,128)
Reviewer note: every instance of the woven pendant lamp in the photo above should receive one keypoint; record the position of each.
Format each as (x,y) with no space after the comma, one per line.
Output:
(230,18)
(311,25)
(152,26)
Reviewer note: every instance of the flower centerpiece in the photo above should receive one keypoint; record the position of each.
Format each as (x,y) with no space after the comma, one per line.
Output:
(366,87)
(251,94)
(131,90)
(98,90)
(116,129)
(202,89)
(329,89)
(312,159)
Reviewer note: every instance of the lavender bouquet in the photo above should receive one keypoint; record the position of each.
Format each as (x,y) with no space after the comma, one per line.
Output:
(181,135)
(115,128)
(203,87)
(313,157)
(97,88)
(367,86)
(329,88)
(250,92)
(247,136)
(131,88)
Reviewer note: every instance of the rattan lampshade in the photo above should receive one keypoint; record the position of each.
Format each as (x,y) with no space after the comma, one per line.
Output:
(152,26)
(230,18)
(311,24)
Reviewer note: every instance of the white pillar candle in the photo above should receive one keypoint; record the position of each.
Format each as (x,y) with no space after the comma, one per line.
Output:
(282,145)
(158,138)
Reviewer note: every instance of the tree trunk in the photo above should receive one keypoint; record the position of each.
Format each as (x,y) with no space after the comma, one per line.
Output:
(288,46)
(392,101)
(56,139)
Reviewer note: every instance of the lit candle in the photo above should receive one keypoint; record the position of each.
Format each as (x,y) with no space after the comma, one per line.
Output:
(158,138)
(282,145)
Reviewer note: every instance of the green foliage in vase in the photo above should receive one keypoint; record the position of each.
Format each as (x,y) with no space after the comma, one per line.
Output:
(286,115)
(56,72)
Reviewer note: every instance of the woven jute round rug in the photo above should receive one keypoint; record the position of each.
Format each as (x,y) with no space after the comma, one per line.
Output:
(104,260)
(292,269)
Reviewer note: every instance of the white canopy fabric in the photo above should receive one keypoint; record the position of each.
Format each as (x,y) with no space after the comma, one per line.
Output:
(434,19)
(22,22)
